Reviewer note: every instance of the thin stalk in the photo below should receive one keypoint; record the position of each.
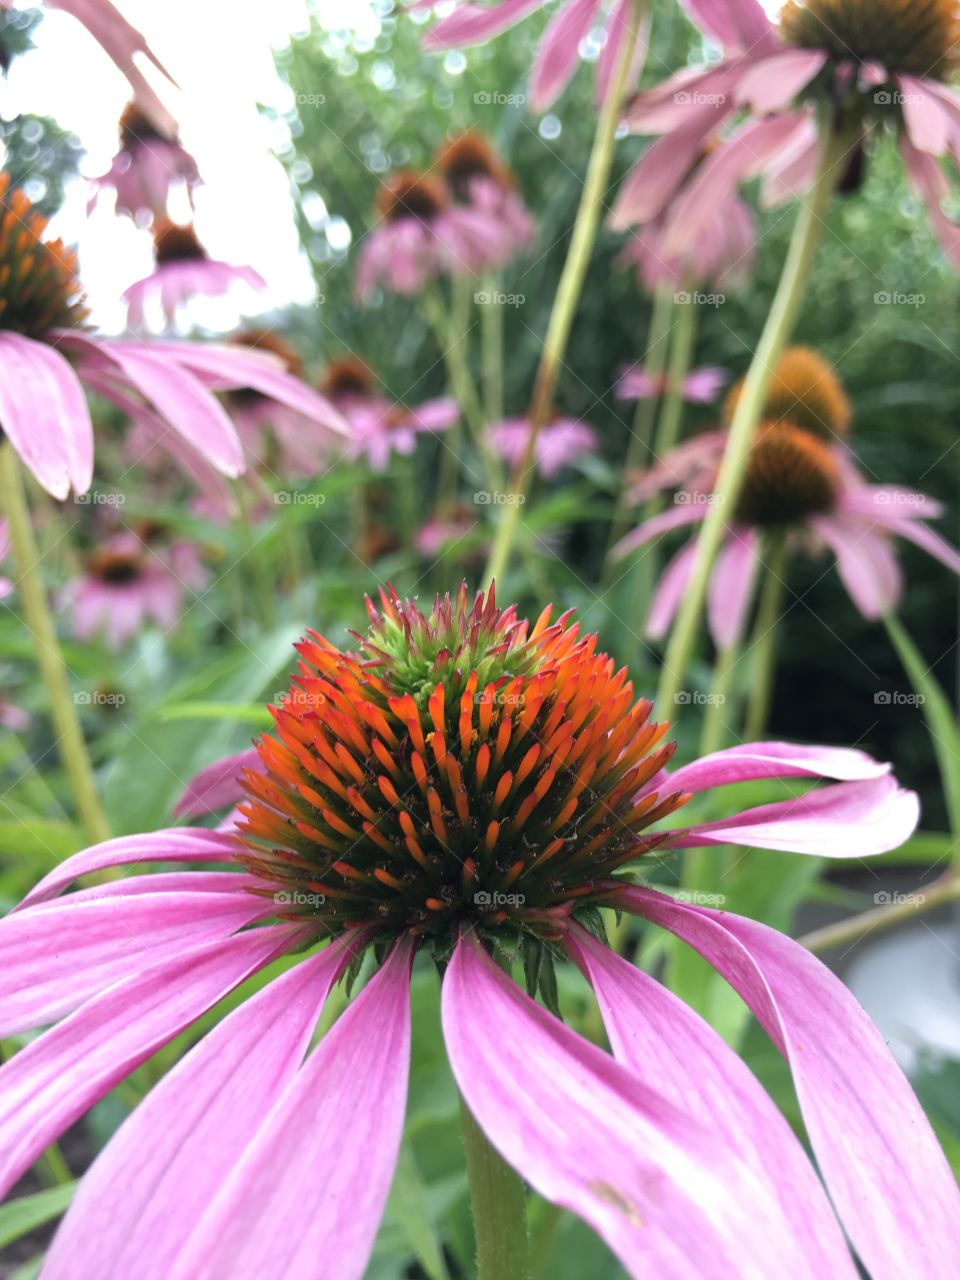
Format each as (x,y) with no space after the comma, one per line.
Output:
(909,907)
(53,670)
(764,644)
(939,715)
(681,359)
(570,287)
(776,334)
(499,1204)
(263,583)
(719,714)
(491,336)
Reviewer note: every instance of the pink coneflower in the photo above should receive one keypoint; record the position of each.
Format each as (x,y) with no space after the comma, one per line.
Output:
(721,257)
(123,43)
(183,272)
(147,166)
(380,427)
(423,233)
(444,532)
(559,443)
(700,386)
(865,63)
(43,409)
(129,582)
(479,180)
(462,781)
(558,54)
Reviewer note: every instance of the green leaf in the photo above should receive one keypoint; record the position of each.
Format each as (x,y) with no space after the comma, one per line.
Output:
(18,1217)
(410,1205)
(254,713)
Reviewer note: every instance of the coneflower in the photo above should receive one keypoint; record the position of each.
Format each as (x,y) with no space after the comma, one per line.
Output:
(459,785)
(145,169)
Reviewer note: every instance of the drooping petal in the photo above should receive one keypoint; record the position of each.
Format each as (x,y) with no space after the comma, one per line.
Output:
(741,26)
(682,514)
(928,122)
(44,414)
(754,760)
(669,1046)
(49,1084)
(923,536)
(56,956)
(846,820)
(731,586)
(617,30)
(586,1134)
(670,591)
(652,182)
(887,1177)
(218,785)
(306,1196)
(177,844)
(145,1193)
(471,23)
(558,52)
(929,182)
(866,562)
(774,82)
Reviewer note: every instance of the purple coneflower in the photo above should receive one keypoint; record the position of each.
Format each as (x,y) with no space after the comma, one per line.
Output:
(183,272)
(129,582)
(558,54)
(479,180)
(721,257)
(147,166)
(47,355)
(559,443)
(700,386)
(865,63)
(462,781)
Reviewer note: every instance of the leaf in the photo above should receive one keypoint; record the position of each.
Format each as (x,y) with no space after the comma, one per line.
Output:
(18,1217)
(409,1203)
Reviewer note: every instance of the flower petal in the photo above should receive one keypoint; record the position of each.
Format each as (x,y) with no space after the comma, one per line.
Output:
(887,1177)
(927,120)
(774,82)
(866,562)
(682,514)
(585,1133)
(731,586)
(306,1196)
(558,52)
(218,786)
(145,1193)
(754,760)
(46,1086)
(471,23)
(741,26)
(668,1045)
(44,414)
(670,591)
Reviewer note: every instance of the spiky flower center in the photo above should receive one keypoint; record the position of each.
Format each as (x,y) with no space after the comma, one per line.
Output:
(919,37)
(411,195)
(804,391)
(348,377)
(468,156)
(173,242)
(40,286)
(790,476)
(459,769)
(117,568)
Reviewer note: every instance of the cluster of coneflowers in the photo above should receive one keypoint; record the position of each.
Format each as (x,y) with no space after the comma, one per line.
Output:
(462,788)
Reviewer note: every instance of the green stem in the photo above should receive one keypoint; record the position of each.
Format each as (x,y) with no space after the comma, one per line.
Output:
(719,713)
(491,334)
(499,1205)
(53,670)
(939,715)
(570,287)
(776,334)
(764,643)
(681,358)
(910,907)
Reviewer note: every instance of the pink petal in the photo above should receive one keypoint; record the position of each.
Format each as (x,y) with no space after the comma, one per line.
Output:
(587,1135)
(927,120)
(653,181)
(48,1085)
(704,385)
(674,518)
(56,956)
(923,536)
(471,23)
(148,1189)
(741,26)
(731,586)
(669,1046)
(177,844)
(670,590)
(306,1196)
(928,180)
(218,785)
(847,820)
(885,1172)
(617,30)
(775,760)
(44,414)
(772,84)
(435,415)
(866,562)
(559,50)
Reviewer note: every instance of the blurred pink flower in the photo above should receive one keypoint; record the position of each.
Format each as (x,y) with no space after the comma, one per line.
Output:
(13,718)
(445,531)
(558,444)
(700,386)
(478,179)
(558,54)
(424,233)
(183,272)
(129,582)
(796,485)
(869,65)
(145,168)
(721,257)
(668,1149)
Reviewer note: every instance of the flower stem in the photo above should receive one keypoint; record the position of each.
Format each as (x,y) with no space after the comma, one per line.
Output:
(499,1205)
(765,640)
(776,334)
(491,334)
(681,358)
(53,670)
(570,287)
(912,905)
(719,713)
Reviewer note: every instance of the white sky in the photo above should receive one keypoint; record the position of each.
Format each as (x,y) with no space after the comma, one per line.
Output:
(219,52)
